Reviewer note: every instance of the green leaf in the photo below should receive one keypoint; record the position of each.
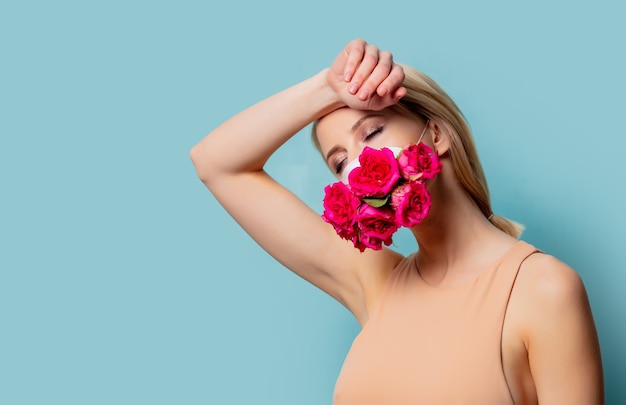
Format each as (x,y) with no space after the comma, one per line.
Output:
(376,202)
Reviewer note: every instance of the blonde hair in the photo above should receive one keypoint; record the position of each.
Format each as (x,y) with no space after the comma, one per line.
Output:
(426,100)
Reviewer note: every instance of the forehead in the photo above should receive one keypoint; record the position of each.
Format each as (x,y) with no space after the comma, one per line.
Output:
(338,124)
(341,117)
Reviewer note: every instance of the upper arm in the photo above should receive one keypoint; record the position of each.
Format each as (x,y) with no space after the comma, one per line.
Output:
(280,222)
(563,349)
(298,238)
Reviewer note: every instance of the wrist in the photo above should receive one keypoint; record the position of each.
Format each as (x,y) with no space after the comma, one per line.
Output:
(328,99)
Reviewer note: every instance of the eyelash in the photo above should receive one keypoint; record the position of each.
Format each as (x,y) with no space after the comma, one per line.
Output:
(374,132)
(339,165)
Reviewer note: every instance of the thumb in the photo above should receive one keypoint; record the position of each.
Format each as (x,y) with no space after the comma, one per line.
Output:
(338,68)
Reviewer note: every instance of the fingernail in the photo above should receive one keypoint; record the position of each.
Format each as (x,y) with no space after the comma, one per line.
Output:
(363,95)
(347,77)
(353,88)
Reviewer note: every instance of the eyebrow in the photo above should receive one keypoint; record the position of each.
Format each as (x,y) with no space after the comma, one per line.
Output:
(363,119)
(354,128)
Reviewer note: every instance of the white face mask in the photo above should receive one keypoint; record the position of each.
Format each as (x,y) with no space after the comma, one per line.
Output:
(355,163)
(395,149)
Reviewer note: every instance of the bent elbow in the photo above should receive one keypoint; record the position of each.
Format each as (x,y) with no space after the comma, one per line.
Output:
(200,162)
(194,155)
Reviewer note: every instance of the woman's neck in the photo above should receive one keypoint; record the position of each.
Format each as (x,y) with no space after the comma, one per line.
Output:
(456,241)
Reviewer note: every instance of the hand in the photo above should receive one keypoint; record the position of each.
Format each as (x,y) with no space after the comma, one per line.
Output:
(365,78)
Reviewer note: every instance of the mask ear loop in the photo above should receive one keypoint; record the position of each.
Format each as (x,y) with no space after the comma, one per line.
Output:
(423,132)
(434,152)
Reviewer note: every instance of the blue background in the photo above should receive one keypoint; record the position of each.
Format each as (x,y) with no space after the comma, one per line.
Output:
(122,281)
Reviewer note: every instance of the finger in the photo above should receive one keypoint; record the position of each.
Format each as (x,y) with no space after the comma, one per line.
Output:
(372,84)
(365,68)
(379,103)
(354,52)
(392,82)
(399,93)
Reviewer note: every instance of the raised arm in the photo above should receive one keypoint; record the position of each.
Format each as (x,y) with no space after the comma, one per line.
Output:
(230,163)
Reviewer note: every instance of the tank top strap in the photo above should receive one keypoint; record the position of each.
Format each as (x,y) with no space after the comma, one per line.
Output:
(508,268)
(498,282)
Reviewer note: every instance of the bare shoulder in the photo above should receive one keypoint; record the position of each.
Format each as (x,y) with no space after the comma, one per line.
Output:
(552,317)
(545,283)
(544,280)
(546,291)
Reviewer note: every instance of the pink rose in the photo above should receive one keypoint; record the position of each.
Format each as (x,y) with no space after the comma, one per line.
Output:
(340,209)
(411,202)
(418,161)
(377,175)
(358,243)
(376,227)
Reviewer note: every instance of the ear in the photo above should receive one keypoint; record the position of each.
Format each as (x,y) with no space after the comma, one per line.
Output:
(440,137)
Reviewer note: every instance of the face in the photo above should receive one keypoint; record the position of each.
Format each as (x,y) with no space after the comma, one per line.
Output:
(344,133)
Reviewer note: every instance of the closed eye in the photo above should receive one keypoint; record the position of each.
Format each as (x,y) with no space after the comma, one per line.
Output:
(340,165)
(373,133)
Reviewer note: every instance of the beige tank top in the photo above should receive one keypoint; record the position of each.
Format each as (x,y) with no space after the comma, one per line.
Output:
(431,345)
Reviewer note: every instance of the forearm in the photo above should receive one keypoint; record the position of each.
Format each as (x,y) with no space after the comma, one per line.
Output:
(247,140)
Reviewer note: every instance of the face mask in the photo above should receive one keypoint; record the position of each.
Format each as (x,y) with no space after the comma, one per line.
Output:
(355,163)
(381,198)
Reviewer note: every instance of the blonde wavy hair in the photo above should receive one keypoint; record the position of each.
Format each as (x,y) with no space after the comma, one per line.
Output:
(426,100)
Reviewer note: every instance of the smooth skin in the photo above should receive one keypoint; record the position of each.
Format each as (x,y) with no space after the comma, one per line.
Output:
(550,350)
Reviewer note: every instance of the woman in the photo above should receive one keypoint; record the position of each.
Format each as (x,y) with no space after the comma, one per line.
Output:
(474,316)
